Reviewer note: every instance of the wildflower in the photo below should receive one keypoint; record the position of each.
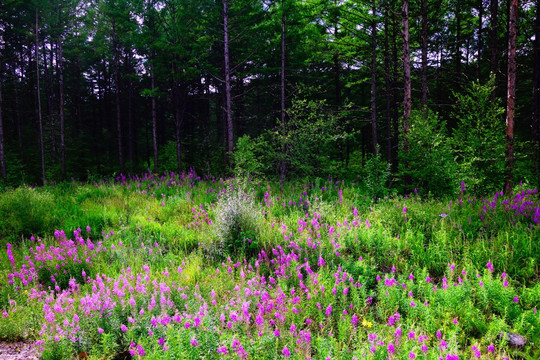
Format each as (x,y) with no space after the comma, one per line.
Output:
(123,328)
(194,342)
(286,352)
(491,348)
(222,350)
(489,265)
(329,310)
(455,321)
(391,349)
(516,299)
(412,355)
(100,330)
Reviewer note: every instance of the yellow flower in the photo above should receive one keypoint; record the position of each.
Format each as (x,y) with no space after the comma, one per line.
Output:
(366,323)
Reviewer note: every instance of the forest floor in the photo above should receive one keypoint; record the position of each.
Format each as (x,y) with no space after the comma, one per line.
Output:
(17,351)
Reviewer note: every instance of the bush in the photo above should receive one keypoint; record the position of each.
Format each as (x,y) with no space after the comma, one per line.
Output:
(478,140)
(26,212)
(429,163)
(377,175)
(237,222)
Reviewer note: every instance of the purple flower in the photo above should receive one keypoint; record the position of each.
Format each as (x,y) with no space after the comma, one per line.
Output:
(489,265)
(328,310)
(123,328)
(222,350)
(194,342)
(412,355)
(516,299)
(286,352)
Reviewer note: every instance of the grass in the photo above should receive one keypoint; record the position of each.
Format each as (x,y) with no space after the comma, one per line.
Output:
(181,267)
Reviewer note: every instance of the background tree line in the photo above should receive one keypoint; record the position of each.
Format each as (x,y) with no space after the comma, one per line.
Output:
(275,88)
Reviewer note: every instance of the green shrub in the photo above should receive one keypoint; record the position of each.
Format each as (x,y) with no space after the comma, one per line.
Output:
(429,163)
(237,222)
(25,212)
(478,140)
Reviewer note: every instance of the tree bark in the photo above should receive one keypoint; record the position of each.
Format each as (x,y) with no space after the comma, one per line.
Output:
(459,54)
(178,127)
(424,53)
(40,118)
(117,97)
(61,109)
(49,94)
(511,98)
(480,35)
(406,74)
(2,153)
(227,70)
(154,119)
(536,86)
(493,9)
(374,81)
(282,90)
(388,87)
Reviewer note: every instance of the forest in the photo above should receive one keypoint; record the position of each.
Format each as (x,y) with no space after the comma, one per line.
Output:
(420,94)
(260,179)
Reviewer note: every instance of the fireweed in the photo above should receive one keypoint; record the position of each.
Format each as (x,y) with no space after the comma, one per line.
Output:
(338,285)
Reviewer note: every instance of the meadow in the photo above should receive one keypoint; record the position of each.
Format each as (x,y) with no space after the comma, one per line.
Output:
(179,266)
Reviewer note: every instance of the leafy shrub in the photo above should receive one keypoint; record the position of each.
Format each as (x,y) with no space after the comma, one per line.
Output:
(26,211)
(429,162)
(478,140)
(253,156)
(377,175)
(237,222)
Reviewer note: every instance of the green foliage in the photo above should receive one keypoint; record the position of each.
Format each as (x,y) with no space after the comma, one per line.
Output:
(377,174)
(253,156)
(428,164)
(478,140)
(237,223)
(25,212)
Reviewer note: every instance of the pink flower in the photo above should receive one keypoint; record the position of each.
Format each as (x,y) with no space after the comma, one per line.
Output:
(123,328)
(286,352)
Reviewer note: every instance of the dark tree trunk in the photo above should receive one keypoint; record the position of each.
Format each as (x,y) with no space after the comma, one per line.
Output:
(374,81)
(424,53)
(49,94)
(458,54)
(61,109)
(536,86)
(40,117)
(154,120)
(396,85)
(227,70)
(18,119)
(511,98)
(480,36)
(131,126)
(117,98)
(178,118)
(2,153)
(388,88)
(493,9)
(406,74)
(283,171)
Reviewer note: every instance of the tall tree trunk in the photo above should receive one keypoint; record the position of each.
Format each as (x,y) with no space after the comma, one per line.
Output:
(480,35)
(178,118)
(61,109)
(154,119)
(2,153)
(282,88)
(406,75)
(40,118)
(511,98)
(424,53)
(18,119)
(493,10)
(227,70)
(458,41)
(536,86)
(396,81)
(49,94)
(117,97)
(130,125)
(388,87)
(374,81)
